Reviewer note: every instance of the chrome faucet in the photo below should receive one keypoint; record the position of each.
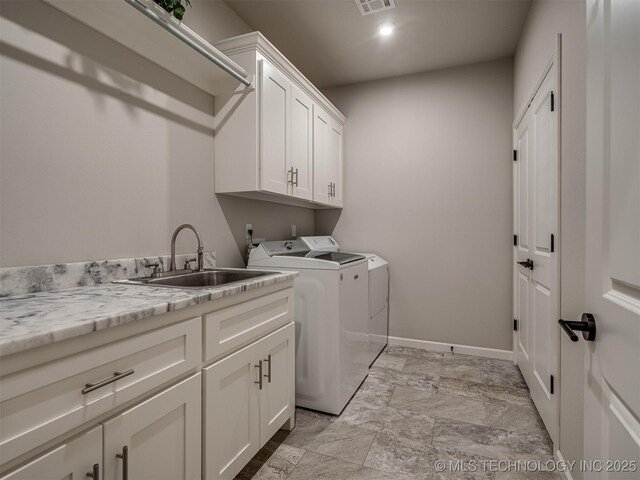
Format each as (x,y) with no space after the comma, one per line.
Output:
(172,265)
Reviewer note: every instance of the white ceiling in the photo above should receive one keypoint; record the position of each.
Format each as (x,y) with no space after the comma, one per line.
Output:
(332,44)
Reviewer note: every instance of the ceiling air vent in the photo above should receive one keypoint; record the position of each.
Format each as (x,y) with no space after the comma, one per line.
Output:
(367,7)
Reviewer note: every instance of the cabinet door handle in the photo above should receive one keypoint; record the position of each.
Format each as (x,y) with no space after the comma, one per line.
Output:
(268,375)
(296,174)
(259,367)
(90,387)
(125,462)
(95,472)
(290,176)
(330,189)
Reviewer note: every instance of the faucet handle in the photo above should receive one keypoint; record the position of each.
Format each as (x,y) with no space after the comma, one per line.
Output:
(156,268)
(187,263)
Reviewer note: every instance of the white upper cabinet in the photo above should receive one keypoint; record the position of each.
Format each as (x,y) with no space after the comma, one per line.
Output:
(265,138)
(327,157)
(275,135)
(334,162)
(301,144)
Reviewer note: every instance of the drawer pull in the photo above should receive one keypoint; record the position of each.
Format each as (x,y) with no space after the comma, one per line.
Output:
(90,387)
(125,462)
(268,375)
(95,473)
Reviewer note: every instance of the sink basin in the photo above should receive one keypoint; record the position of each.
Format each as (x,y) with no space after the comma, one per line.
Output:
(207,279)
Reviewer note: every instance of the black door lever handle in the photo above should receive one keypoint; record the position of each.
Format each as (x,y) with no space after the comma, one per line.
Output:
(587,325)
(527,264)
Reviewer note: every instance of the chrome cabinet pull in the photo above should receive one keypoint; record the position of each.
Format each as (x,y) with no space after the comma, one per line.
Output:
(268,375)
(329,190)
(125,462)
(95,473)
(296,174)
(259,367)
(90,387)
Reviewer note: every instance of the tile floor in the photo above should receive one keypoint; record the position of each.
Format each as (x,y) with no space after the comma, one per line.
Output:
(414,408)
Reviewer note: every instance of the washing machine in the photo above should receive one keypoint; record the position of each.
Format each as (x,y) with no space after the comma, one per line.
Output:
(378,292)
(331,318)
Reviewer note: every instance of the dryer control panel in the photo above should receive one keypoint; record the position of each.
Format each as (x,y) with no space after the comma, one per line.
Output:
(284,247)
(325,243)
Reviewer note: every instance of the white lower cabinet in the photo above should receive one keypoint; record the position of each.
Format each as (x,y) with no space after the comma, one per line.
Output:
(77,458)
(157,439)
(249,395)
(278,394)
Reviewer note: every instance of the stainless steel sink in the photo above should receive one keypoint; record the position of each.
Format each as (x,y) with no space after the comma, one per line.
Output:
(208,278)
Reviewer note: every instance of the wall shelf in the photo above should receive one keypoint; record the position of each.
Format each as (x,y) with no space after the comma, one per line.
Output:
(145,28)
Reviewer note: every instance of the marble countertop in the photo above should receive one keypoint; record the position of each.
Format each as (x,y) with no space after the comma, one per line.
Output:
(37,319)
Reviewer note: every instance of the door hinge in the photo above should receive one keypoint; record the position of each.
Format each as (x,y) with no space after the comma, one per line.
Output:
(515,155)
(552,385)
(515,240)
(515,325)
(553,243)
(553,102)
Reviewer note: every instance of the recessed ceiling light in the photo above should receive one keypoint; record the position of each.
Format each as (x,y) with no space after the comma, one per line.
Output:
(385,29)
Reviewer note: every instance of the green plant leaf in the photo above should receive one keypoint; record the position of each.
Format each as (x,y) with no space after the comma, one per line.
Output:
(178,12)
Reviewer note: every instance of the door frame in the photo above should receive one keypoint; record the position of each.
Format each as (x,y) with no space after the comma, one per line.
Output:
(555,60)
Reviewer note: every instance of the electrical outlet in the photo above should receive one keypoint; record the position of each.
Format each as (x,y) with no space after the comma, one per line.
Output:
(293,231)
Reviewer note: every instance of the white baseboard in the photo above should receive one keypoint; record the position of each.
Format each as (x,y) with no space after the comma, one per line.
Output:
(446,347)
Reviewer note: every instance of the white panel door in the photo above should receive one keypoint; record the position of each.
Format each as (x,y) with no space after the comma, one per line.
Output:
(232,409)
(536,273)
(612,390)
(75,459)
(158,438)
(334,159)
(275,129)
(301,176)
(321,169)
(278,395)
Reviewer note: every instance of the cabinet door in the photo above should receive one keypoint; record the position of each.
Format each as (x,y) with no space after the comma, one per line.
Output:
(334,161)
(232,424)
(277,397)
(158,438)
(275,129)
(321,126)
(301,144)
(74,459)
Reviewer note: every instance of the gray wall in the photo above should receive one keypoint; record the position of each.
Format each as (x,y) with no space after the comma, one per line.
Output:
(428,186)
(536,46)
(103,153)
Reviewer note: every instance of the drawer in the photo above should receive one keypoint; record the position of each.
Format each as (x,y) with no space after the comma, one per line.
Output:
(41,403)
(230,328)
